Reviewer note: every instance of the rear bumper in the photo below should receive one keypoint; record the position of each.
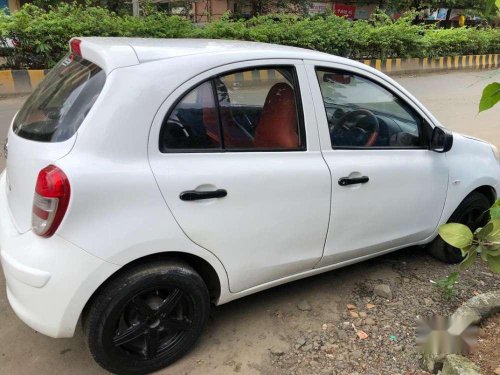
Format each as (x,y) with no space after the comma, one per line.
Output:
(49,280)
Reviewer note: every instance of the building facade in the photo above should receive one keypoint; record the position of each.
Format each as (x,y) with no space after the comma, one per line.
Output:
(209,10)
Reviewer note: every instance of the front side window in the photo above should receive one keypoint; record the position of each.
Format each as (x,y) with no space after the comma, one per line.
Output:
(246,110)
(363,114)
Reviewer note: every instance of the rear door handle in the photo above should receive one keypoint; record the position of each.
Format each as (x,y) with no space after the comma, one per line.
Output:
(194,195)
(345,181)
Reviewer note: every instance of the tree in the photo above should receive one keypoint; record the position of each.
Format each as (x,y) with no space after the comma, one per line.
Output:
(486,8)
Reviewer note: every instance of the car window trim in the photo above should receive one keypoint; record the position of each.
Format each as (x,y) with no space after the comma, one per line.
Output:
(422,123)
(215,98)
(221,149)
(423,148)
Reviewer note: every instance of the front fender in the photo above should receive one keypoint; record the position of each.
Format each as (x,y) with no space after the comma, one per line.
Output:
(472,165)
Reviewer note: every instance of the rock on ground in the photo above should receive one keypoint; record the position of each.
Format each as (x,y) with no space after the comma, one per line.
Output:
(471,312)
(279,349)
(304,306)
(383,290)
(479,307)
(458,365)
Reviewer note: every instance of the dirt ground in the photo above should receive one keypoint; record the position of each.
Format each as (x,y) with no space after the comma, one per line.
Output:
(305,327)
(486,354)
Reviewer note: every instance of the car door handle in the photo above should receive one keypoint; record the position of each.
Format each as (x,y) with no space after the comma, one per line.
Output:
(194,195)
(344,181)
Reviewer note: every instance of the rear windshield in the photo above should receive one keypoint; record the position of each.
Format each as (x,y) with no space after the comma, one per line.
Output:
(58,106)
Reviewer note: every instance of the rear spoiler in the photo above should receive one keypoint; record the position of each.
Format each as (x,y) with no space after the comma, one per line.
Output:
(107,53)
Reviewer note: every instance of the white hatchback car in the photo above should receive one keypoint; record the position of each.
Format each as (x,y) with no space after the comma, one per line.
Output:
(147,179)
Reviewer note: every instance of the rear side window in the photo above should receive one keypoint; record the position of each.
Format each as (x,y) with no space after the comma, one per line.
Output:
(193,124)
(58,106)
(254,109)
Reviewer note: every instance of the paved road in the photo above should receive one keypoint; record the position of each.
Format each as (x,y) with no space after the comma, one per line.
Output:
(452,97)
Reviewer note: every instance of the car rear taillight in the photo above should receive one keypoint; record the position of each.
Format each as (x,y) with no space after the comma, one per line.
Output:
(51,200)
(75,47)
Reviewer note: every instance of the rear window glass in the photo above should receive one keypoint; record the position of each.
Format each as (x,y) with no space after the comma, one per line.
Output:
(58,106)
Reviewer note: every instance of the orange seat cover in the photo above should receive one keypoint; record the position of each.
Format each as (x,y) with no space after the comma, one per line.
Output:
(277,126)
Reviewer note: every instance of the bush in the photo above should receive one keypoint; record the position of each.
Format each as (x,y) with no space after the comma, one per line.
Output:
(461,41)
(40,37)
(37,38)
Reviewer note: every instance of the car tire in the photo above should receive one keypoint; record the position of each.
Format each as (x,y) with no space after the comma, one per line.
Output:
(473,212)
(146,318)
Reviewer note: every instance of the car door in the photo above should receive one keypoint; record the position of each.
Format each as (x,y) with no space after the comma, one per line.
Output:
(236,155)
(388,188)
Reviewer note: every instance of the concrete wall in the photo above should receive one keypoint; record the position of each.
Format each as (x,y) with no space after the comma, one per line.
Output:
(211,10)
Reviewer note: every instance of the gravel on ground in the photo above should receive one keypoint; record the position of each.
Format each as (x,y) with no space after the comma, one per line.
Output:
(374,332)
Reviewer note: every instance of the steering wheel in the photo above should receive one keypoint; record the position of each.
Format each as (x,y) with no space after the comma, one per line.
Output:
(352,117)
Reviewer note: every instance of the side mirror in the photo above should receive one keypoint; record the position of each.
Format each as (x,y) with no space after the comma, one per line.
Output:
(441,140)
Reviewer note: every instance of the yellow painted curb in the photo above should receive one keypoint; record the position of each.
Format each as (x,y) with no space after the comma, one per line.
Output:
(24,81)
(435,64)
(20,81)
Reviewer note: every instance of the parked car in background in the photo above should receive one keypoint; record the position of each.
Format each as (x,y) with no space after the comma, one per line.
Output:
(149,179)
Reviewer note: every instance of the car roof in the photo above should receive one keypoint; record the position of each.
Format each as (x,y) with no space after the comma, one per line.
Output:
(117,52)
(152,49)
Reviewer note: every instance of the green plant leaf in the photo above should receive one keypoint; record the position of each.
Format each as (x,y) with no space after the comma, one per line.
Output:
(469,260)
(491,96)
(494,234)
(447,285)
(466,250)
(484,254)
(483,232)
(493,253)
(452,278)
(494,263)
(495,210)
(457,235)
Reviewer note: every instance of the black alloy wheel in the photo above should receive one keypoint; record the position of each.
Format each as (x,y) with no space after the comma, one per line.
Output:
(147,318)
(152,323)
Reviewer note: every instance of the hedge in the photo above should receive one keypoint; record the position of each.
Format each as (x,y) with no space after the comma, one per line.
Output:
(39,37)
